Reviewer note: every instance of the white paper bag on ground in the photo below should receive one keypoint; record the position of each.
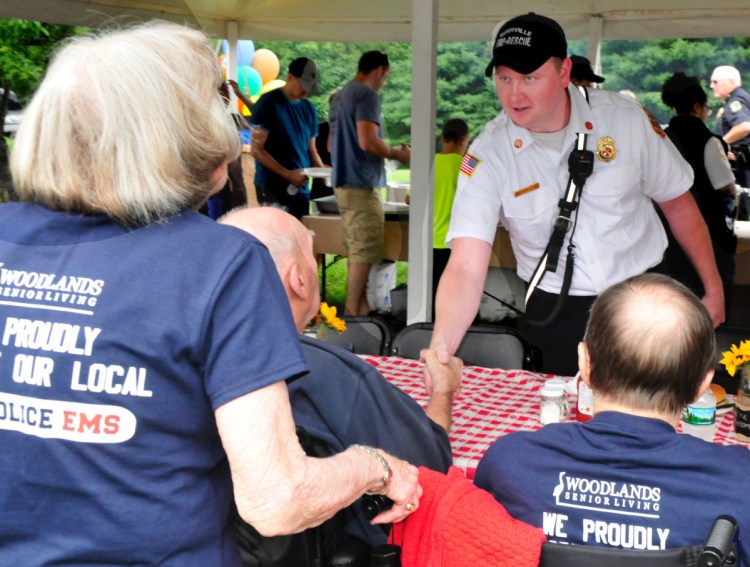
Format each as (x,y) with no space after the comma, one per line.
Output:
(379,285)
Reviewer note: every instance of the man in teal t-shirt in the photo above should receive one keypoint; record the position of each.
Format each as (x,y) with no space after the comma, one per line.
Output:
(454,140)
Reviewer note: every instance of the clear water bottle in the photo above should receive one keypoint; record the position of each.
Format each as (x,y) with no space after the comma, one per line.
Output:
(699,418)
(554,406)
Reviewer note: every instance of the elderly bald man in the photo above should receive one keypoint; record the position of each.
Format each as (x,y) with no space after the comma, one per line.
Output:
(344,400)
(627,478)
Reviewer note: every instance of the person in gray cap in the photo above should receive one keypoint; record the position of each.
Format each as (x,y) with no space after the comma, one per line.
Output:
(582,74)
(284,126)
(517,172)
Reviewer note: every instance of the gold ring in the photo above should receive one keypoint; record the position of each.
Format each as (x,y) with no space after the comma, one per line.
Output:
(410,507)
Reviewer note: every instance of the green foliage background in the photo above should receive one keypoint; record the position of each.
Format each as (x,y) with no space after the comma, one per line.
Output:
(462,89)
(464,92)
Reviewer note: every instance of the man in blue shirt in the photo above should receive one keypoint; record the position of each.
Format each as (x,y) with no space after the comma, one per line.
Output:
(358,153)
(285,125)
(344,400)
(626,478)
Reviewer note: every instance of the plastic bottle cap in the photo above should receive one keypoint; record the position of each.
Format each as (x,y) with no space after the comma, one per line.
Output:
(552,391)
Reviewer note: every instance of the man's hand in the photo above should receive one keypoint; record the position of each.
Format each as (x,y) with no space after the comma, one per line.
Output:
(442,382)
(443,356)
(445,377)
(297,178)
(715,305)
(235,87)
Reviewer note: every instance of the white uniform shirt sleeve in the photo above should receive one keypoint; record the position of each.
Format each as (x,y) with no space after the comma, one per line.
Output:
(476,208)
(717,164)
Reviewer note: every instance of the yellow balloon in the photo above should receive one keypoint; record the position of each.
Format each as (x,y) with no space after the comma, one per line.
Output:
(267,64)
(271,85)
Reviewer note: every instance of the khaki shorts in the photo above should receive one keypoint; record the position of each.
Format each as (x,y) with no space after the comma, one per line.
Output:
(362,219)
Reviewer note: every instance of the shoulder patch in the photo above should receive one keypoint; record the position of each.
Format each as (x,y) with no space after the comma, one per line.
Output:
(469,164)
(735,106)
(654,124)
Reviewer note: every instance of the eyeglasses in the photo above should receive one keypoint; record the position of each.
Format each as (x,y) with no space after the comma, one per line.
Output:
(708,109)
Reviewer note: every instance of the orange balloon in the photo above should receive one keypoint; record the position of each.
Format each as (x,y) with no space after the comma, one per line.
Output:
(267,64)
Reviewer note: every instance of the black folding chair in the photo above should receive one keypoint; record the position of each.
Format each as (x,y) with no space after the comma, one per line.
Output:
(489,346)
(363,335)
(720,548)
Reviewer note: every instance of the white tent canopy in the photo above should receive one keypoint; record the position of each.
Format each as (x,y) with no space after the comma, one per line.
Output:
(423,23)
(391,20)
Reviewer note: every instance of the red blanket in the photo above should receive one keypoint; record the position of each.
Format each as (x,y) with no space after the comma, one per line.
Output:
(458,524)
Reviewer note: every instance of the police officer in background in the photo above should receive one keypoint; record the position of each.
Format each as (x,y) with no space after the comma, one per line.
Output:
(733,119)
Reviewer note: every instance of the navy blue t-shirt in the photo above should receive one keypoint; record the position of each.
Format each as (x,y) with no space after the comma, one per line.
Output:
(618,480)
(116,347)
(290,126)
(344,400)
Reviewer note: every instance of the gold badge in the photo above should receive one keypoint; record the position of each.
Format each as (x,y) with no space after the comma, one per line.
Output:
(605,148)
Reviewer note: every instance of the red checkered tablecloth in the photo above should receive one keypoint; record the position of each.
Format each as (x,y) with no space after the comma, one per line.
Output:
(492,403)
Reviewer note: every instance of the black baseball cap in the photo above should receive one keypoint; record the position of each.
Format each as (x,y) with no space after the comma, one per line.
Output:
(307,72)
(524,43)
(582,70)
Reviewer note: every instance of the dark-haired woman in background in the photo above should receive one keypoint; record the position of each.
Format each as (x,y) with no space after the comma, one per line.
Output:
(713,188)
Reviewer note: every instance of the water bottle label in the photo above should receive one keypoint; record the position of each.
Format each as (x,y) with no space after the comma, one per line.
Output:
(699,416)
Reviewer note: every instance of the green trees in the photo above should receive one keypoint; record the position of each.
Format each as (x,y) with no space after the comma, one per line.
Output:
(25,47)
(464,92)
(462,89)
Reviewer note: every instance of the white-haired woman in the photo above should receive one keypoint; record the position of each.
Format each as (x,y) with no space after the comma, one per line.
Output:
(145,348)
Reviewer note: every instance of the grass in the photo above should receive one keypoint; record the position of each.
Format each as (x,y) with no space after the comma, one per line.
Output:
(335,291)
(400,176)
(336,271)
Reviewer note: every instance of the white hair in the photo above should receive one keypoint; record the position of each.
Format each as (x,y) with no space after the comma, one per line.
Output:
(126,123)
(729,73)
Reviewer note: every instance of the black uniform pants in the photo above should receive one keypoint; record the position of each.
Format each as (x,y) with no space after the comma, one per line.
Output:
(559,340)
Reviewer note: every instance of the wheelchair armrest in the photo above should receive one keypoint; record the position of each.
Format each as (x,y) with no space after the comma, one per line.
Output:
(353,552)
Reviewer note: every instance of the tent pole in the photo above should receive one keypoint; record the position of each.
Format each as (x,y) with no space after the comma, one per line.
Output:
(596,28)
(424,79)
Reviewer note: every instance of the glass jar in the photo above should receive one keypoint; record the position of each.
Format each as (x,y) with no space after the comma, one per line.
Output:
(554,406)
(742,405)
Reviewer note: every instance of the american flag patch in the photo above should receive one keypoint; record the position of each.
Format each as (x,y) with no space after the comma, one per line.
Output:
(469,165)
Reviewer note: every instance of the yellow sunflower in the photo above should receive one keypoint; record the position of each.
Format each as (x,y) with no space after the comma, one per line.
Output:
(329,318)
(735,357)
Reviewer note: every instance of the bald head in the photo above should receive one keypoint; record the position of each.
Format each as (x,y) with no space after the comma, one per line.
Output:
(290,245)
(650,343)
(275,228)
